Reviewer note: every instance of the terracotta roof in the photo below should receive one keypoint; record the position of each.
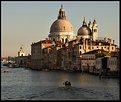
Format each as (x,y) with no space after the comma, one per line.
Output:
(48,47)
(43,41)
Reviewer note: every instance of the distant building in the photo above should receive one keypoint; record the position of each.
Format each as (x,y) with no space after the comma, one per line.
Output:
(21,59)
(21,52)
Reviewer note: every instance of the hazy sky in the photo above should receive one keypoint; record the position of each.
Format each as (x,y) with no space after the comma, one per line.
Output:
(24,22)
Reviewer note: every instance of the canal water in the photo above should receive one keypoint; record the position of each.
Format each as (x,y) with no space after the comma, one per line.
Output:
(26,84)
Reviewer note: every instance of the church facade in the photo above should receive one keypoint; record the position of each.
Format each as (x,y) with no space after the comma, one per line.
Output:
(23,60)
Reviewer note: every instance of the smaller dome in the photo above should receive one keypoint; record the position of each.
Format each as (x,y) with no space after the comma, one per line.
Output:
(84,30)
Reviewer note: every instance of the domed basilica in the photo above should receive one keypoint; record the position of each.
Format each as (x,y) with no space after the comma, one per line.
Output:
(64,48)
(61,29)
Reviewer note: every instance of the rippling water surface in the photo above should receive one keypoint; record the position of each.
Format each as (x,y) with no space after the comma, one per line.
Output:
(26,84)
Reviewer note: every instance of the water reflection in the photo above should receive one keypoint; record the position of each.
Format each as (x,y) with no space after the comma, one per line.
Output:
(28,84)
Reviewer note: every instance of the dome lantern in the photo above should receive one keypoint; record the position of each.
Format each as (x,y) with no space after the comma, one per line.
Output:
(84,21)
(61,13)
(61,29)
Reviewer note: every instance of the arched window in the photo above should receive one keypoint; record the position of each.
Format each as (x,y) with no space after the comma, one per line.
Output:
(80,47)
(63,40)
(21,62)
(53,39)
(66,40)
(80,52)
(64,27)
(81,40)
(95,30)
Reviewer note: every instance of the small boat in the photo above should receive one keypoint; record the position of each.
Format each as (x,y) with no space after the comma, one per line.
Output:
(5,64)
(67,83)
(13,65)
(6,71)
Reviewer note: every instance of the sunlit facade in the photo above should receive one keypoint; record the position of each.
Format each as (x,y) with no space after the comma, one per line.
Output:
(63,49)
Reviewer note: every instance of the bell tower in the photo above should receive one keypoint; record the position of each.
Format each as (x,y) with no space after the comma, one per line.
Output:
(90,25)
(94,30)
(21,52)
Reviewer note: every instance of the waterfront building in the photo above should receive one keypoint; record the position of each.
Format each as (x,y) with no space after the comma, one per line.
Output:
(21,59)
(65,51)
(64,59)
(108,63)
(6,61)
(88,60)
(37,56)
(46,57)
(50,57)
(112,63)
(54,55)
(21,52)
(28,61)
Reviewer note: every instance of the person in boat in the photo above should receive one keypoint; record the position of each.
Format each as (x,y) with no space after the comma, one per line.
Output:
(67,83)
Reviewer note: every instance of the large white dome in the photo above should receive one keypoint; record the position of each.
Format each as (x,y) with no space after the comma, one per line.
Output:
(61,29)
(61,25)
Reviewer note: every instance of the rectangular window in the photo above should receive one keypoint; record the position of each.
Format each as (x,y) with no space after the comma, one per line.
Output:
(80,47)
(80,52)
(95,30)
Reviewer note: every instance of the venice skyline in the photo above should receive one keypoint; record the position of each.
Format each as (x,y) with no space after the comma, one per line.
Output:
(27,22)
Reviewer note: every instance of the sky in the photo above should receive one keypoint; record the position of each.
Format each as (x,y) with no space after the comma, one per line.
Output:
(24,22)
